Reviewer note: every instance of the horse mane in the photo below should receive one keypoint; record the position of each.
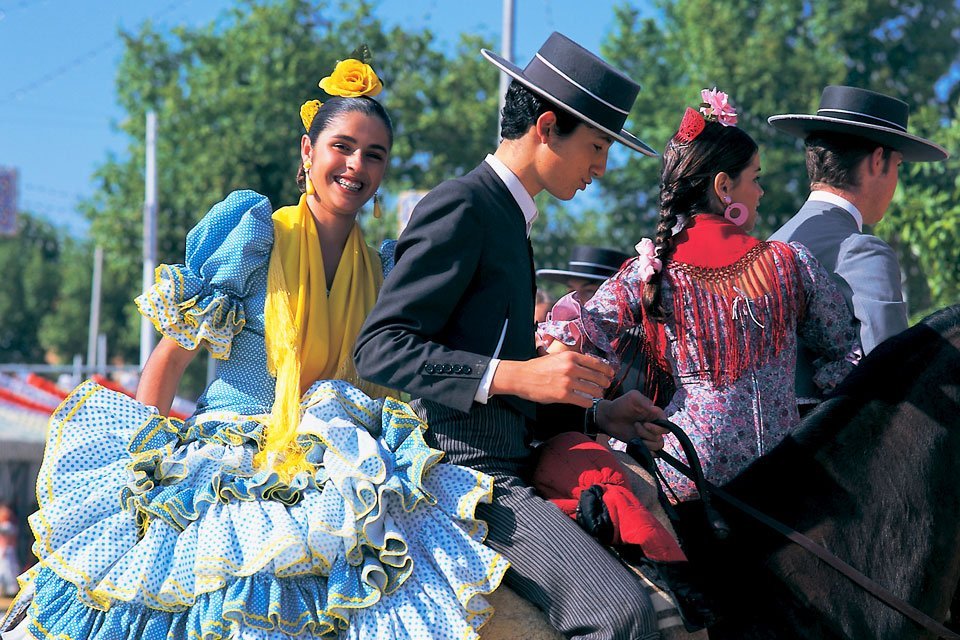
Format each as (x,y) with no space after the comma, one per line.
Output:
(944,320)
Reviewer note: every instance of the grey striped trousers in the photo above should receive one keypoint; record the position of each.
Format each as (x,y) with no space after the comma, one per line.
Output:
(585,591)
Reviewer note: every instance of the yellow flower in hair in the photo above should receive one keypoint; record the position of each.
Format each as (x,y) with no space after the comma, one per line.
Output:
(352,78)
(308,111)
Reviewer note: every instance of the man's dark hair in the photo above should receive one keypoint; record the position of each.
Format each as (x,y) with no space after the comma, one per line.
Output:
(832,158)
(523,107)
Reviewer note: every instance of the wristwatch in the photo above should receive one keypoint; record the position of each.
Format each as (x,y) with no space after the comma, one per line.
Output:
(590,427)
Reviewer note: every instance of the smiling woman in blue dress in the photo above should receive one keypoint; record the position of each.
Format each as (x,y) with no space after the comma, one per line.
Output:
(299,500)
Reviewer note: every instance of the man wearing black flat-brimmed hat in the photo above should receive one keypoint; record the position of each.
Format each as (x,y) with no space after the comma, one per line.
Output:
(854,146)
(452,326)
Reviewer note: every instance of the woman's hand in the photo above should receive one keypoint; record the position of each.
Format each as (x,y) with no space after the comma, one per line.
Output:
(628,417)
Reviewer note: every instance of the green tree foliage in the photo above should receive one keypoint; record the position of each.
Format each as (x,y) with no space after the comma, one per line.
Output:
(227,98)
(924,221)
(775,57)
(64,331)
(444,113)
(29,262)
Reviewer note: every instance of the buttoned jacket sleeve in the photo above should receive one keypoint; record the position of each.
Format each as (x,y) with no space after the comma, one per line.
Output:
(436,260)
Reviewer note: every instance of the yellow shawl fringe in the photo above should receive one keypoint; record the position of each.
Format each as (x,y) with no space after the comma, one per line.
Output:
(309,333)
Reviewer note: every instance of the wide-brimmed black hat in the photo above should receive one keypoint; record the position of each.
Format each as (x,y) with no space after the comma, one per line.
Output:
(866,114)
(589,263)
(576,80)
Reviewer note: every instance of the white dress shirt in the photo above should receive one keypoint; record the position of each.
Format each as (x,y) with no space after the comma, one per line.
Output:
(529,208)
(840,201)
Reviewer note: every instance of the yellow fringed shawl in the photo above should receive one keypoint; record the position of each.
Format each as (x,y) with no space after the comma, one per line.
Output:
(310,334)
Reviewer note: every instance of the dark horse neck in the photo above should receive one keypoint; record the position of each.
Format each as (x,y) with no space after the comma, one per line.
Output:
(874,475)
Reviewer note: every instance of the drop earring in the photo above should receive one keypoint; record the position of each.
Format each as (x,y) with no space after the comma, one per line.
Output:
(307,182)
(376,206)
(736,212)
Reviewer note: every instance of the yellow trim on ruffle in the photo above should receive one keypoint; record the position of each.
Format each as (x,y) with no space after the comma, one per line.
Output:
(59,636)
(235,609)
(49,485)
(393,553)
(163,423)
(250,617)
(168,317)
(267,554)
(481,492)
(495,571)
(231,433)
(362,415)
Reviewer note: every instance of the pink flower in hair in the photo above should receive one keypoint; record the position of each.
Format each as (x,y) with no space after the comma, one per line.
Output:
(716,107)
(648,263)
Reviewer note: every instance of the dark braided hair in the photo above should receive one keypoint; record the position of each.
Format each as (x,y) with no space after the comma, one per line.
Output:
(686,188)
(334,108)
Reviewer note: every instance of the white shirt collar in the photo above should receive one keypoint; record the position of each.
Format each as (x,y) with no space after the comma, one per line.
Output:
(519,193)
(840,201)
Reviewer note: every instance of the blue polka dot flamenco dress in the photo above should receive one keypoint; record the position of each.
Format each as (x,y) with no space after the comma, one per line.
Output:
(151,528)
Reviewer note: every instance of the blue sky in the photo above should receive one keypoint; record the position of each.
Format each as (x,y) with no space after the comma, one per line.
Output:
(58,65)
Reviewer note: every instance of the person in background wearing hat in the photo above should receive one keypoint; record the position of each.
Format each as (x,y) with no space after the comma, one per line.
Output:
(452,328)
(854,146)
(586,269)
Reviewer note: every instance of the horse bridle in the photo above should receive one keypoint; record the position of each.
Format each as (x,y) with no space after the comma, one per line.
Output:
(720,527)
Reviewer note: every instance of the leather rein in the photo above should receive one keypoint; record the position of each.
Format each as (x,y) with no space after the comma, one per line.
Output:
(706,488)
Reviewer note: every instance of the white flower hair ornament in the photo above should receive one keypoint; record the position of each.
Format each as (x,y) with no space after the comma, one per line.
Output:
(647,262)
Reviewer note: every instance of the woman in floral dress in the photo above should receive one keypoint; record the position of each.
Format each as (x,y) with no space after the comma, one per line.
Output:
(719,310)
(298,501)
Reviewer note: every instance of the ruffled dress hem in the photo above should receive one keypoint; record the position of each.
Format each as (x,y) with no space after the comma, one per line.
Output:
(150,527)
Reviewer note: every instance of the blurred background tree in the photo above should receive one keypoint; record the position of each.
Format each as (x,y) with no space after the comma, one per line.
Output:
(31,265)
(227,100)
(775,57)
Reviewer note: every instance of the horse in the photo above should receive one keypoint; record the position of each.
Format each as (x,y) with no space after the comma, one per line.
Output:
(873,475)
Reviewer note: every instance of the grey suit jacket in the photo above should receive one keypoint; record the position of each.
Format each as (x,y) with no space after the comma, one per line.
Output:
(864,267)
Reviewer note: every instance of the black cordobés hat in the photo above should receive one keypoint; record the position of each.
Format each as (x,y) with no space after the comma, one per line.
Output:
(589,263)
(866,114)
(580,82)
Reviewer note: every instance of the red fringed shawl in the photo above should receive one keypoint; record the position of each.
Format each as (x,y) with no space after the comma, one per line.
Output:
(734,299)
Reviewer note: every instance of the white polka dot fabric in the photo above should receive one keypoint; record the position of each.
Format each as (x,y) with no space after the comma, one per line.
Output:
(152,528)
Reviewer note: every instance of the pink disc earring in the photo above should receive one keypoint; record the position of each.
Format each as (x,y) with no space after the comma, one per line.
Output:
(736,212)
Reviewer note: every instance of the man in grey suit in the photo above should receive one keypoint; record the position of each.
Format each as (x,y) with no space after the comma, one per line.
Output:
(854,146)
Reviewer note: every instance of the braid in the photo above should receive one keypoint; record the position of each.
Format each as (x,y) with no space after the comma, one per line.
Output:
(651,297)
(688,172)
